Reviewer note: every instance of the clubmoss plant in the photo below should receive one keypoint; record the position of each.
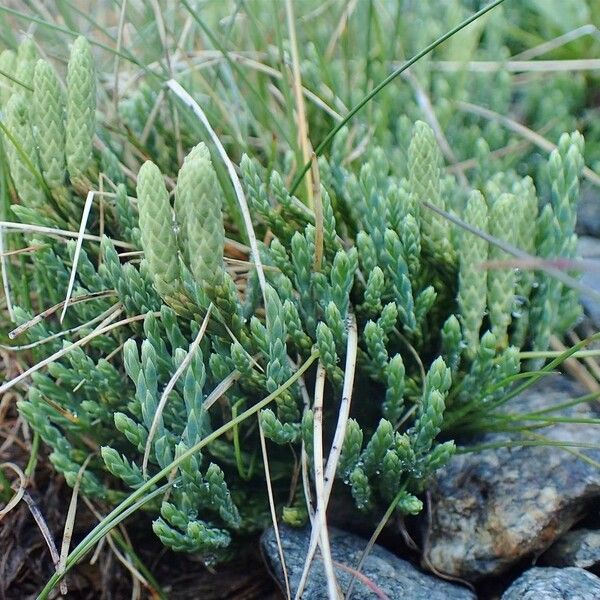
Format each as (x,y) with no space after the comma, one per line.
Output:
(47,117)
(81,110)
(23,159)
(440,318)
(27,56)
(157,232)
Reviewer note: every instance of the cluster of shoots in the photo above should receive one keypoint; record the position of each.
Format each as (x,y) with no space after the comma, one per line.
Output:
(407,325)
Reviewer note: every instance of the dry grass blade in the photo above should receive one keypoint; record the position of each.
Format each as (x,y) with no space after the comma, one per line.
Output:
(319,531)
(316,100)
(263,447)
(472,163)
(589,357)
(344,410)
(338,439)
(46,533)
(304,456)
(50,311)
(557,42)
(162,34)
(299,99)
(18,496)
(100,145)
(519,66)
(110,317)
(221,389)
(5,281)
(63,351)
(371,585)
(110,313)
(341,26)
(590,265)
(137,576)
(117,58)
(317,12)
(187,28)
(372,540)
(87,207)
(60,233)
(169,388)
(320,515)
(152,117)
(574,367)
(70,520)
(216,57)
(26,250)
(319,218)
(510,249)
(522,130)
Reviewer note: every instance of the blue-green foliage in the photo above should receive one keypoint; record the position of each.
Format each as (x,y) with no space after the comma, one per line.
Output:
(438,337)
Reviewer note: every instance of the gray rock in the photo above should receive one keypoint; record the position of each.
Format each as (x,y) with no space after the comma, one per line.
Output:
(554,584)
(492,508)
(588,211)
(589,249)
(577,548)
(385,573)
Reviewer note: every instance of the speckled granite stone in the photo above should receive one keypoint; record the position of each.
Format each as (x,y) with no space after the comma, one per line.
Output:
(554,584)
(492,508)
(388,575)
(577,548)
